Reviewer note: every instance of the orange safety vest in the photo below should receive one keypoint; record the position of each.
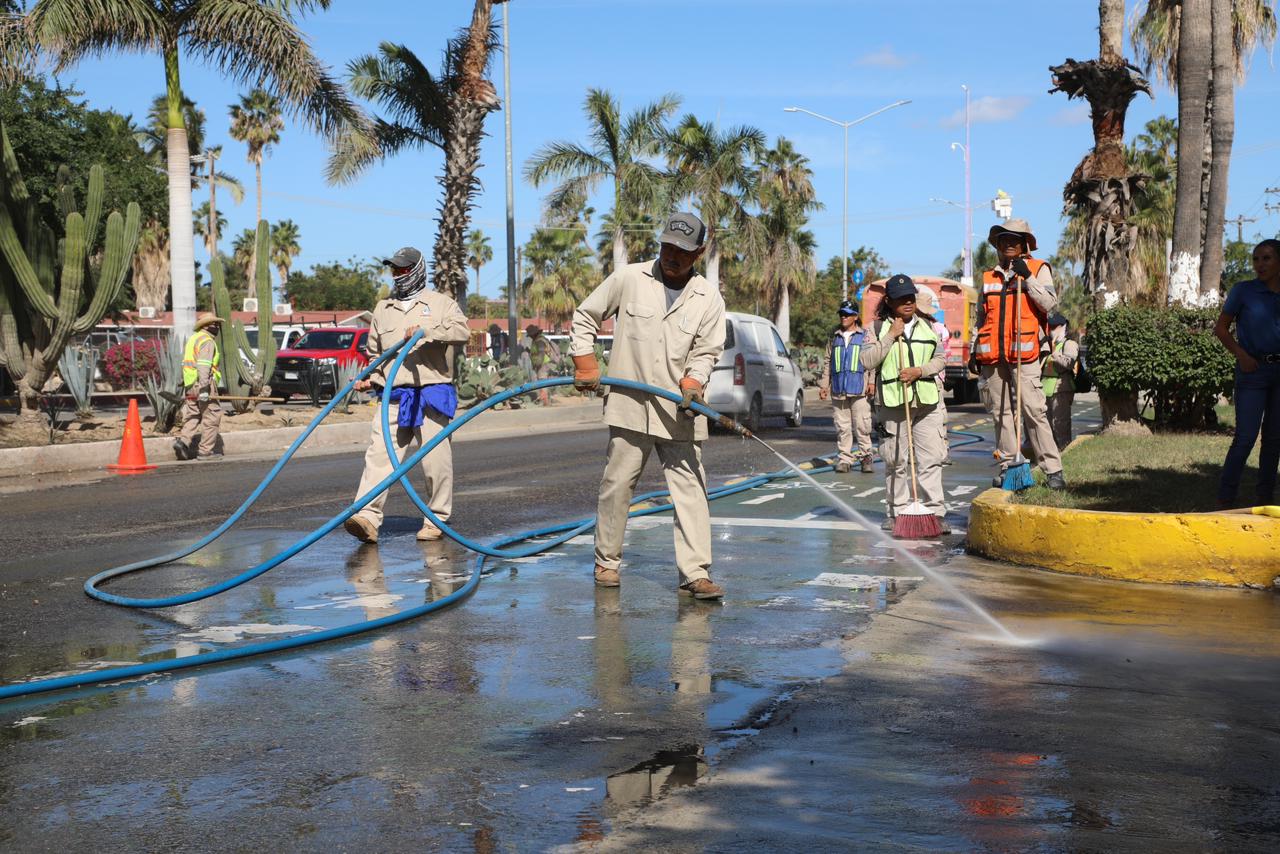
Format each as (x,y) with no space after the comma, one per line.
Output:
(998,338)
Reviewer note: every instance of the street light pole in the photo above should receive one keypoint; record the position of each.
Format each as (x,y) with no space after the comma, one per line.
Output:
(513,317)
(844,237)
(967,279)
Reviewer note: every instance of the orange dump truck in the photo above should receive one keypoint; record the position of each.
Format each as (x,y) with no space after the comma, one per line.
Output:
(958,304)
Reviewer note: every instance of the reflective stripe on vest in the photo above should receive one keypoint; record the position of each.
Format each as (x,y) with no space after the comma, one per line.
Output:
(1049,379)
(919,350)
(847,376)
(998,339)
(191,365)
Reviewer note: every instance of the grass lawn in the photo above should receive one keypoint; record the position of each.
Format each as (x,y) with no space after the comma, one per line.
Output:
(1163,473)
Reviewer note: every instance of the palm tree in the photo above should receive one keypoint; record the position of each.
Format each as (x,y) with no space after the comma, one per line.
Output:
(446,111)
(1101,190)
(561,273)
(1234,29)
(479,252)
(1194,61)
(256,121)
(151,266)
(639,236)
(284,248)
(202,219)
(250,41)
(714,169)
(243,249)
(618,151)
(781,255)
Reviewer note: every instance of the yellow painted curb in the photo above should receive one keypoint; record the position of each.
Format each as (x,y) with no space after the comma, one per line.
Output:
(1168,548)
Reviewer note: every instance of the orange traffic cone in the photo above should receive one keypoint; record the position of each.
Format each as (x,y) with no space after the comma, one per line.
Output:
(133,457)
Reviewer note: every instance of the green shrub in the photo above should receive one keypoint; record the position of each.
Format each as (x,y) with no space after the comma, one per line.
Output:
(1168,355)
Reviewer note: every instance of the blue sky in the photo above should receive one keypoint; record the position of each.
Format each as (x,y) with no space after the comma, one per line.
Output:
(739,62)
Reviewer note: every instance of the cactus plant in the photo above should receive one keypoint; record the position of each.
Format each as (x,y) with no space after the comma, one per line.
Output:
(239,378)
(76,368)
(53,288)
(170,381)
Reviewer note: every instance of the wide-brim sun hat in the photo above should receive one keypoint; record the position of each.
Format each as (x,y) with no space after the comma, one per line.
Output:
(208,319)
(1020,227)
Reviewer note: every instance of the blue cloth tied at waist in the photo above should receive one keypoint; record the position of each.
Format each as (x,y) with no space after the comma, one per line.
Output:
(413,401)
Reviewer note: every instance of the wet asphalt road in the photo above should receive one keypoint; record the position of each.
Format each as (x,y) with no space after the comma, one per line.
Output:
(543,713)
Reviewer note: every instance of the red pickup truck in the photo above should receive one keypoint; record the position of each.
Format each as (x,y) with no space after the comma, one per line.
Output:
(319,353)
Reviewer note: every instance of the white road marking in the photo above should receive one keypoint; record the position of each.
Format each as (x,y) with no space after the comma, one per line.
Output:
(872,491)
(963,490)
(826,524)
(765,499)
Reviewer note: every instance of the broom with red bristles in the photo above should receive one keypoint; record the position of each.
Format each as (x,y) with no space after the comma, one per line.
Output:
(915,521)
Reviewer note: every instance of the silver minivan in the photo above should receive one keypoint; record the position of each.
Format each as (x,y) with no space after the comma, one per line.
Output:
(756,376)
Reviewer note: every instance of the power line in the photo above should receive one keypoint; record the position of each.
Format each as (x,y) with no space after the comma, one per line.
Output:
(1239,222)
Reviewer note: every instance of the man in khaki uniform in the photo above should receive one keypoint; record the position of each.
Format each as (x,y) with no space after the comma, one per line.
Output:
(542,358)
(845,381)
(669,332)
(1010,337)
(424,397)
(201,412)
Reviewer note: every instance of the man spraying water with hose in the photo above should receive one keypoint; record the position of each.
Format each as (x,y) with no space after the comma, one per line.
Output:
(669,332)
(422,389)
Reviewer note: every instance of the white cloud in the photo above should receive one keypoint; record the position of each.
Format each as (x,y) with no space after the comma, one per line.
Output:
(885,57)
(1076,114)
(989,109)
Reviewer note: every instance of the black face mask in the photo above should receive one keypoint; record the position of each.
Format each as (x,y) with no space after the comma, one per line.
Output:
(411,282)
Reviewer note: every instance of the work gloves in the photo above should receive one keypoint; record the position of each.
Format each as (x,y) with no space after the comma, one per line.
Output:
(586,372)
(203,397)
(1020,267)
(690,393)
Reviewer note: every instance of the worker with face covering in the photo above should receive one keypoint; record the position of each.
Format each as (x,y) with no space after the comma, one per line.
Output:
(423,396)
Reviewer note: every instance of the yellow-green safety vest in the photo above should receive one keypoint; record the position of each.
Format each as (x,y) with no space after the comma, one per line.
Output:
(191,365)
(1049,378)
(919,350)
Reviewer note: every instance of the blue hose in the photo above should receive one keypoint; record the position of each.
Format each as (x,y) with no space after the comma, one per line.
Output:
(559,533)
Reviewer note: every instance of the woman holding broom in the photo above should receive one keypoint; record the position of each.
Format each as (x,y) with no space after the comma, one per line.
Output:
(903,353)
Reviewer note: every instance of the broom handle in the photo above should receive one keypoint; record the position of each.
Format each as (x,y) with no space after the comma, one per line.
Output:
(1017,367)
(906,404)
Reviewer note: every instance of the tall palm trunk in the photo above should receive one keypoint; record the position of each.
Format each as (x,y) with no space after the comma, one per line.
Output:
(473,100)
(1194,51)
(182,256)
(782,319)
(253,253)
(1222,133)
(619,242)
(713,260)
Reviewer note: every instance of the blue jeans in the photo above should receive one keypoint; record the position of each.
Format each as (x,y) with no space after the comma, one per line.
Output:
(1257,399)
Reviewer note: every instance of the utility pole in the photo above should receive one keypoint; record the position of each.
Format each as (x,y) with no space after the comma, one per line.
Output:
(1239,222)
(1272,191)
(513,316)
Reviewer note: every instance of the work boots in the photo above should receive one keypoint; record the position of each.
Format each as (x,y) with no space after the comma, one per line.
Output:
(843,467)
(702,588)
(866,465)
(362,529)
(606,577)
(429,532)
(181,450)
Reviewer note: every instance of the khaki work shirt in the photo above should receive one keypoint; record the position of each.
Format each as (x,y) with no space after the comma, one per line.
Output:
(653,344)
(443,324)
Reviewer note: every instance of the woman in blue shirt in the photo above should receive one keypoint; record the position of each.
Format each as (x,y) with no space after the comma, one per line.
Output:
(1254,307)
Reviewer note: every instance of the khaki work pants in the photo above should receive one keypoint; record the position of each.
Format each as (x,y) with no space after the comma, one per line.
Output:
(682,466)
(930,449)
(999,395)
(437,465)
(852,416)
(204,418)
(1060,418)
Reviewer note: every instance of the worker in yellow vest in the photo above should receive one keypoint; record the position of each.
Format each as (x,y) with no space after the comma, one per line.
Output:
(200,377)
(1058,379)
(1012,321)
(901,353)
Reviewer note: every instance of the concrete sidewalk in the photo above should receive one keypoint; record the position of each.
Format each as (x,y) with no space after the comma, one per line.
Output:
(327,438)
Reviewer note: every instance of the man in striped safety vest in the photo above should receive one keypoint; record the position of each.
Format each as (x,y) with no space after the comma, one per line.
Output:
(846,382)
(200,377)
(1012,332)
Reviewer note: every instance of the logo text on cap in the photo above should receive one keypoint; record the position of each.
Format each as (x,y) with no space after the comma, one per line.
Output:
(680,226)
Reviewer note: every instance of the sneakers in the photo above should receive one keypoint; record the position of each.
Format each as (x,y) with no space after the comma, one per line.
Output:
(606,577)
(181,451)
(998,480)
(702,588)
(843,467)
(887,524)
(429,532)
(362,529)
(865,466)
(209,458)
(1056,481)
